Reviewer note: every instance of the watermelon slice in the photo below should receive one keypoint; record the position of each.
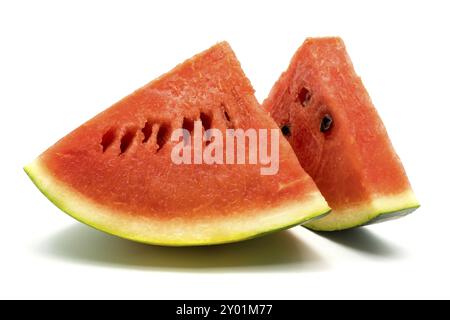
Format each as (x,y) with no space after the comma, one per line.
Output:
(327,116)
(115,172)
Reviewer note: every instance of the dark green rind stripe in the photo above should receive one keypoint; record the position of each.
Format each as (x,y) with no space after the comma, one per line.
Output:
(382,217)
(387,216)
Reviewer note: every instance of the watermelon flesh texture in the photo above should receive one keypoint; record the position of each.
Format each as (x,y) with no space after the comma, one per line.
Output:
(115,172)
(327,116)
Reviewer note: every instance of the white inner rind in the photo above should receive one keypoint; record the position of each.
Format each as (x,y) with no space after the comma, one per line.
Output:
(177,232)
(359,215)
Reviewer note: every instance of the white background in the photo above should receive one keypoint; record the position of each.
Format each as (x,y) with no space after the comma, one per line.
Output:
(63,62)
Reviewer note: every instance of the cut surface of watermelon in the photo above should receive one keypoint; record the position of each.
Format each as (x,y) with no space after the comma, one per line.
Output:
(115,172)
(327,116)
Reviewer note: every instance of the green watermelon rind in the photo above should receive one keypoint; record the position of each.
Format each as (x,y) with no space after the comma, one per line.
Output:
(53,191)
(391,215)
(397,206)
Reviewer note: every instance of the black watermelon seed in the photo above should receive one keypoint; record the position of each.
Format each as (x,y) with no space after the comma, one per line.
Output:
(286,130)
(326,123)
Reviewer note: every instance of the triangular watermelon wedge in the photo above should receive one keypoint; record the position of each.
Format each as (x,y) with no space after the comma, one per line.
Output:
(115,172)
(327,116)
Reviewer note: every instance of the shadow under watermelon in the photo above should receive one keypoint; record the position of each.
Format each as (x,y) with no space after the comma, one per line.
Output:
(364,241)
(281,251)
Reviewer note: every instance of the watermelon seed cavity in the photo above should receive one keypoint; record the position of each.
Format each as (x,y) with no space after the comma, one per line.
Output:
(108,138)
(304,96)
(326,123)
(126,140)
(162,136)
(147,131)
(227,117)
(188,124)
(206,121)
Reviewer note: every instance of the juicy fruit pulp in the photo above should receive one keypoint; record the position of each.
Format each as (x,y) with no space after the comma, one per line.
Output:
(327,116)
(115,172)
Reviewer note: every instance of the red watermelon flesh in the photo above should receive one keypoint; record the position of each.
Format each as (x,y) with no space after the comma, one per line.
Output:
(327,116)
(116,174)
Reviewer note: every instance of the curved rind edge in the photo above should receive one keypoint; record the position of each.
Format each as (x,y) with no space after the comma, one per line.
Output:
(383,208)
(177,233)
(393,215)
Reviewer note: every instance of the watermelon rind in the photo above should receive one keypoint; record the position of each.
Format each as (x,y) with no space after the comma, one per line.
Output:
(175,232)
(381,208)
